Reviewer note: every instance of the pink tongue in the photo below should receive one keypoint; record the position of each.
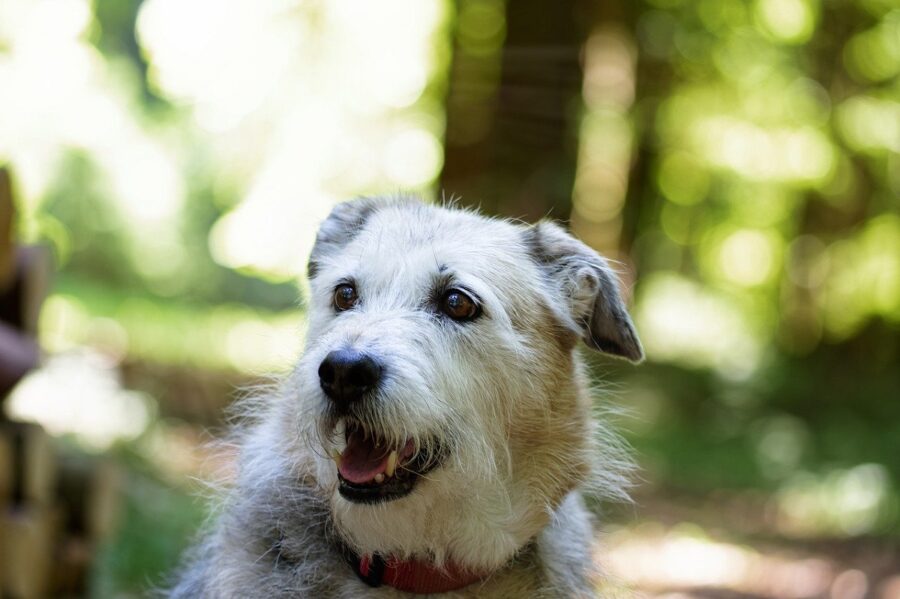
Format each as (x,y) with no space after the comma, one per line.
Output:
(361,460)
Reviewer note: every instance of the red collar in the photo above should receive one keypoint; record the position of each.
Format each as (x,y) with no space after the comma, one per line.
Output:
(414,576)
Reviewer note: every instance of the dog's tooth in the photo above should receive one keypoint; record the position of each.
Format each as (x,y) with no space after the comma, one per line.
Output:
(336,456)
(391,463)
(379,478)
(341,436)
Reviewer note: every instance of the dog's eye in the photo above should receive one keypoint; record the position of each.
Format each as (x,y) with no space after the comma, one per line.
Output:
(344,297)
(459,306)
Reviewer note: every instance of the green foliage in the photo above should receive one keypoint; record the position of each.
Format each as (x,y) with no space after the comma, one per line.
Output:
(158,524)
(771,159)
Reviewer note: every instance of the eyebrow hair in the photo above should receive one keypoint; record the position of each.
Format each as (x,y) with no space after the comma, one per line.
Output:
(344,281)
(440,282)
(444,280)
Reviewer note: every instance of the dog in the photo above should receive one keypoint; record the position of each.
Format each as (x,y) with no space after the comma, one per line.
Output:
(436,436)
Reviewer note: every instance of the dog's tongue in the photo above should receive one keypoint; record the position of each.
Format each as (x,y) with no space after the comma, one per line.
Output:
(361,460)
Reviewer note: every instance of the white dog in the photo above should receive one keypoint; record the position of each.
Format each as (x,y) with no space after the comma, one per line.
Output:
(436,435)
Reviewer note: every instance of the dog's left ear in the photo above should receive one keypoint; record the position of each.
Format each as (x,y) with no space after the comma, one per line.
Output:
(589,285)
(345,221)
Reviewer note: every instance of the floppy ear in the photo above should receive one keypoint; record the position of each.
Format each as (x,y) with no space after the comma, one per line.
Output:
(342,225)
(589,287)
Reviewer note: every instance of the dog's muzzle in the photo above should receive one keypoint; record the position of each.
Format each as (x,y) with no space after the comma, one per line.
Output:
(370,470)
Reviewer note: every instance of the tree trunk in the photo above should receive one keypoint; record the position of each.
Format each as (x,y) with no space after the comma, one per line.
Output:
(513,111)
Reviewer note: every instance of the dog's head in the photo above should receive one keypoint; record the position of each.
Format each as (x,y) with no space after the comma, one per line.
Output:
(439,387)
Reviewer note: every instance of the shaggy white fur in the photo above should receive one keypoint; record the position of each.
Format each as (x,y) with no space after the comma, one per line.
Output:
(497,409)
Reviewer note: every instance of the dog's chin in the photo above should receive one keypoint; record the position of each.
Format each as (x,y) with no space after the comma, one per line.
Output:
(375,493)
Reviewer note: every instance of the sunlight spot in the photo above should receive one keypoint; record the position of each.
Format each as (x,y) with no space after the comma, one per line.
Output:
(850,584)
(766,154)
(870,124)
(683,179)
(781,445)
(847,502)
(80,394)
(874,55)
(681,321)
(259,347)
(413,158)
(791,21)
(747,257)
(683,558)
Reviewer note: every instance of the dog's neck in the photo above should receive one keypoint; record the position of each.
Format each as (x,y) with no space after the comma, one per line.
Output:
(413,575)
(417,576)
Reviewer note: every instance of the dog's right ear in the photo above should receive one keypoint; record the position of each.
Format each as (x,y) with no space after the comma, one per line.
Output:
(342,225)
(589,287)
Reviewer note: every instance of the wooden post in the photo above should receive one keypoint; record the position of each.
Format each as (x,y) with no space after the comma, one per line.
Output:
(89,501)
(52,512)
(28,551)
(7,255)
(24,280)
(29,512)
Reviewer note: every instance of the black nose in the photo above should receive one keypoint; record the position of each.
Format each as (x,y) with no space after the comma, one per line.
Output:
(346,375)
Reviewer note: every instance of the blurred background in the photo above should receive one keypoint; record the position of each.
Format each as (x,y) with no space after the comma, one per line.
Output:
(167,162)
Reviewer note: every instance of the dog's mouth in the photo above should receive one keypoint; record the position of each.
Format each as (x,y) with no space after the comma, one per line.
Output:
(370,470)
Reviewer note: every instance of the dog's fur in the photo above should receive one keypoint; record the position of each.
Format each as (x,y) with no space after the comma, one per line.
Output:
(505,395)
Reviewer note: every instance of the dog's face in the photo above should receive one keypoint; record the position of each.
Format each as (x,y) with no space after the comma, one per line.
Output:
(438,388)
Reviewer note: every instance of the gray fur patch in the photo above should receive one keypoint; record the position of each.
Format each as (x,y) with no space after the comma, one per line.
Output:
(342,225)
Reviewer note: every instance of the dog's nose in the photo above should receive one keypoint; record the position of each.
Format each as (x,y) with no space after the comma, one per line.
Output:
(346,374)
